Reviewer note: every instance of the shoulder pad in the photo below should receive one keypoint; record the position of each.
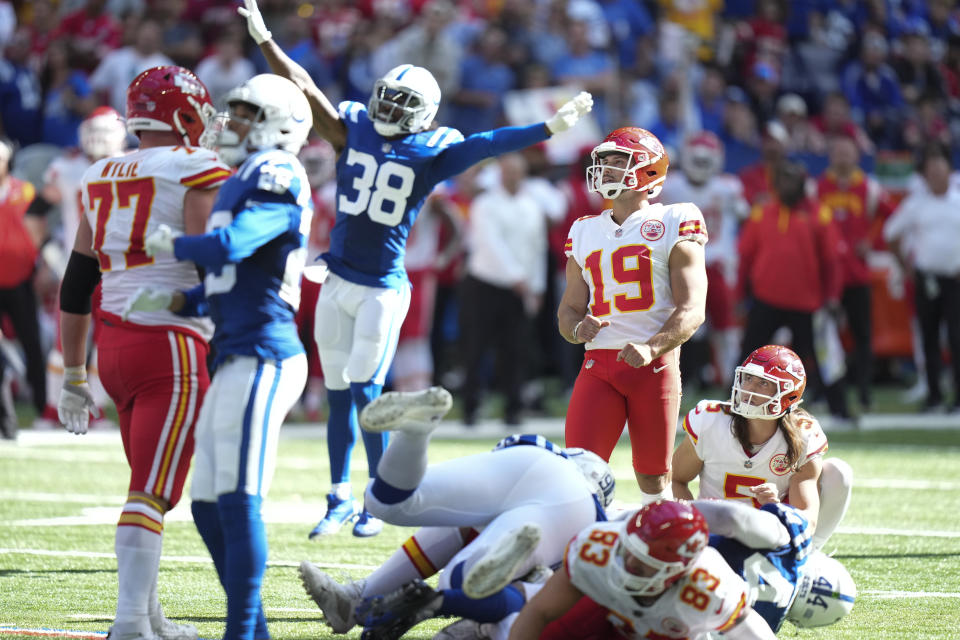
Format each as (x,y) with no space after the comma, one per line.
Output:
(350,110)
(443,137)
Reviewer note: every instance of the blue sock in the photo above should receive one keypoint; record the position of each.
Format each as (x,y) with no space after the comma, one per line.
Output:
(375,443)
(341,433)
(206,517)
(245,562)
(490,609)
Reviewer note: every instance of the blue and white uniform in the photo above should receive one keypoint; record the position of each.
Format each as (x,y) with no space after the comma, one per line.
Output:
(253,253)
(772,574)
(381,186)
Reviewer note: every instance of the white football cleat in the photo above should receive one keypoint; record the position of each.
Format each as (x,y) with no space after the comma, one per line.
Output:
(170,630)
(464,630)
(499,566)
(336,601)
(410,411)
(130,632)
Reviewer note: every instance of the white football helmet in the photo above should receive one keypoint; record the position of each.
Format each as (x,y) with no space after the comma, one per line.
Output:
(596,471)
(702,157)
(825,593)
(405,100)
(102,134)
(283,119)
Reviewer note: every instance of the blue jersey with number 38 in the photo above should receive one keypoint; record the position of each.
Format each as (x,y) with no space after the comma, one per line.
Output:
(254,253)
(382,183)
(772,574)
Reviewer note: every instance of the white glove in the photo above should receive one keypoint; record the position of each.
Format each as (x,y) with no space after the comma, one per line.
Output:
(255,25)
(76,400)
(571,111)
(147,299)
(160,241)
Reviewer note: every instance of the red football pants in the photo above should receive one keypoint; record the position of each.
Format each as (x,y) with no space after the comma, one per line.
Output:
(157,379)
(609,393)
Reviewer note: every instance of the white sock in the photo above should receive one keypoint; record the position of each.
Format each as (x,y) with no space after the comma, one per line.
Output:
(666,494)
(342,490)
(836,485)
(421,556)
(138,544)
(404,463)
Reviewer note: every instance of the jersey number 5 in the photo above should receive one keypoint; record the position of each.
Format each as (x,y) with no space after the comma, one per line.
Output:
(628,264)
(377,185)
(121,193)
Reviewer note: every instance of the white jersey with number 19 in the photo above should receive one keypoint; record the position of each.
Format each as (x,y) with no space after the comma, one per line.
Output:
(127,197)
(627,267)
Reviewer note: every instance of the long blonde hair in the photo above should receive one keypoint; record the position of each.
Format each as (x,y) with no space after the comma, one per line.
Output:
(788,424)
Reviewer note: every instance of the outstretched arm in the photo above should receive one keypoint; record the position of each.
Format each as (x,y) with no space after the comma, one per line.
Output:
(753,528)
(326,119)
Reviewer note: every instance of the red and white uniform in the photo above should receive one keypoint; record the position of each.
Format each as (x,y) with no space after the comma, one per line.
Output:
(65,173)
(154,365)
(627,269)
(720,200)
(708,597)
(728,470)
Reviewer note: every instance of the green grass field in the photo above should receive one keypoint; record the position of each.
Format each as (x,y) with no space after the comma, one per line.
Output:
(60,498)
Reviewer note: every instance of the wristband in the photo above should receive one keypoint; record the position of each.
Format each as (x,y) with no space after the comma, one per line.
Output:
(576,328)
(75,374)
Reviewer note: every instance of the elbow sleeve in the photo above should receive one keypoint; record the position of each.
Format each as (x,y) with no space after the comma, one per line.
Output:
(79,281)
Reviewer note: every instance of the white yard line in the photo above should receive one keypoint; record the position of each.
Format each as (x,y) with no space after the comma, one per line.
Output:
(880,593)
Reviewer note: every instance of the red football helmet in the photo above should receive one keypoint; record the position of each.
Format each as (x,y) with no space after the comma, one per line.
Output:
(645,170)
(702,156)
(775,364)
(102,134)
(664,535)
(169,99)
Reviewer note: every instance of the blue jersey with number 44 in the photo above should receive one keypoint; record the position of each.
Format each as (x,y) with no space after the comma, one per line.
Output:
(772,574)
(382,183)
(253,253)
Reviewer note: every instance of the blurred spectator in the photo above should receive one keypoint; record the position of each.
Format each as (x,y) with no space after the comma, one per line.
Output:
(584,67)
(426,43)
(943,22)
(93,32)
(506,277)
(121,66)
(181,39)
(334,23)
(763,85)
(758,178)
(763,36)
(298,43)
(8,22)
(67,97)
(412,368)
(924,232)
(812,64)
(874,92)
(710,99)
(226,67)
(42,27)
(21,235)
(856,200)
(802,136)
(915,69)
(696,17)
(835,120)
(484,79)
(740,135)
(630,22)
(928,124)
(720,199)
(21,101)
(671,126)
(789,268)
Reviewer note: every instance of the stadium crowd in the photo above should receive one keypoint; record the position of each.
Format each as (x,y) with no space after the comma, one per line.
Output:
(855,104)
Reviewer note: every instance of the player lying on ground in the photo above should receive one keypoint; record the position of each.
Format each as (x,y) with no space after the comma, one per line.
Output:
(490,518)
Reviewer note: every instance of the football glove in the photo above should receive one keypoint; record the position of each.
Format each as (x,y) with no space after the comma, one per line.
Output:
(76,400)
(571,111)
(255,25)
(147,299)
(160,241)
